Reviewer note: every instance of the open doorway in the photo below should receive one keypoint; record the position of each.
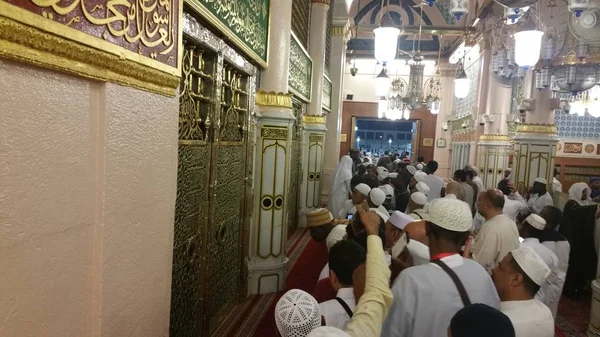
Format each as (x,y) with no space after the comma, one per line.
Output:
(376,136)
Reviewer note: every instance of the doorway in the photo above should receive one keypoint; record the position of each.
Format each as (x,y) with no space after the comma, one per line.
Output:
(376,136)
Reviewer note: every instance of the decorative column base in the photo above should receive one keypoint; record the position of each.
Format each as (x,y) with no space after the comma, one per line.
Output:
(267,263)
(535,150)
(594,326)
(313,136)
(493,152)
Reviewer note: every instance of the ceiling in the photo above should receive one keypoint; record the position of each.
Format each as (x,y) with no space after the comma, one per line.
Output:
(440,27)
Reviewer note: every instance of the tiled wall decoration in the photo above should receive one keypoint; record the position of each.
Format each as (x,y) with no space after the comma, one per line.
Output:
(577,127)
(573,148)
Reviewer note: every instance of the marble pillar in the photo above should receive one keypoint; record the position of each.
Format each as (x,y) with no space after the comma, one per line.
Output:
(535,140)
(341,34)
(443,137)
(267,262)
(494,147)
(313,124)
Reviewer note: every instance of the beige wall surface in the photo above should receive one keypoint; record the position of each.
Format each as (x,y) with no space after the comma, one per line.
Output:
(87,196)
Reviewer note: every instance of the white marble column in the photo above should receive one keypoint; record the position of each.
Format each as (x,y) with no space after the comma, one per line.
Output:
(313,125)
(442,154)
(494,146)
(267,262)
(341,34)
(535,140)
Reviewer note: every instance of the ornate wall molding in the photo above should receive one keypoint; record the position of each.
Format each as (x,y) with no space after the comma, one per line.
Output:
(274,133)
(311,119)
(72,40)
(300,72)
(273,99)
(537,128)
(495,137)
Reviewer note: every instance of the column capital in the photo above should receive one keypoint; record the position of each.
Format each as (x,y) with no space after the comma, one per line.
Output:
(273,99)
(495,137)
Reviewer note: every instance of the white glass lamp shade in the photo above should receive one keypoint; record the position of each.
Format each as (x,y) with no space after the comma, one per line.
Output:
(382,84)
(461,87)
(382,107)
(578,108)
(386,43)
(406,114)
(528,45)
(435,109)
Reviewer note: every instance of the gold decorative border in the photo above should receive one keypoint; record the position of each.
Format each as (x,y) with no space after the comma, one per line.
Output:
(537,128)
(274,99)
(208,16)
(311,119)
(495,137)
(24,43)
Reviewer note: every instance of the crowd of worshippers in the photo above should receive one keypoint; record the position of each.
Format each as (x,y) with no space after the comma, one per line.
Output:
(411,255)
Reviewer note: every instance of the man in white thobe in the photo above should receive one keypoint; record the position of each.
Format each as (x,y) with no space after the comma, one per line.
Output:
(453,190)
(425,297)
(394,228)
(518,278)
(321,224)
(435,183)
(498,235)
(416,206)
(376,200)
(557,243)
(476,180)
(540,196)
(360,193)
(556,185)
(514,204)
(550,291)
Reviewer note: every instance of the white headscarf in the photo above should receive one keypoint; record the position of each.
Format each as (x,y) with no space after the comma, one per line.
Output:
(576,191)
(340,185)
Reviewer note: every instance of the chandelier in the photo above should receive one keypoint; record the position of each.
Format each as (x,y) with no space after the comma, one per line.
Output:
(386,38)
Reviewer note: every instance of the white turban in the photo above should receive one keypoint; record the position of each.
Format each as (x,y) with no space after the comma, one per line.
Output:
(411,169)
(387,189)
(400,220)
(423,188)
(420,176)
(541,181)
(532,264)
(297,314)
(418,198)
(377,196)
(364,189)
(419,166)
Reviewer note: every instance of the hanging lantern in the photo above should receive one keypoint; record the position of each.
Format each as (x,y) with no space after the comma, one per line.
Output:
(406,114)
(528,45)
(382,84)
(461,84)
(382,107)
(435,109)
(386,40)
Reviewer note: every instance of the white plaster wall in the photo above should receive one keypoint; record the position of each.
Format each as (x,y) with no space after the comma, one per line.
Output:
(87,196)
(362,86)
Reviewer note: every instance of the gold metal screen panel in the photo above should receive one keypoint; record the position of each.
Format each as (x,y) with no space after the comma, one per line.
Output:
(329,32)
(296,160)
(301,20)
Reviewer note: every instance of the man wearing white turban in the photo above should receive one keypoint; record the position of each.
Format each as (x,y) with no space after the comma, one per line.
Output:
(340,190)
(540,196)
(416,206)
(376,200)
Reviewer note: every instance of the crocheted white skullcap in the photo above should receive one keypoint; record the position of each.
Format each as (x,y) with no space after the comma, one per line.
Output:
(297,314)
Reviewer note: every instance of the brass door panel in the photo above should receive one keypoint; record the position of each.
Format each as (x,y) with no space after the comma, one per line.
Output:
(295,169)
(210,212)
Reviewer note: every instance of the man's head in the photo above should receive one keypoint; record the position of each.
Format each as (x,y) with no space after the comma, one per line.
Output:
(356,180)
(453,188)
(539,186)
(477,320)
(344,257)
(507,172)
(360,193)
(432,166)
(417,201)
(449,223)
(460,176)
(417,230)
(552,215)
(420,159)
(556,173)
(532,226)
(320,223)
(354,153)
(297,311)
(470,175)
(504,186)
(595,183)
(520,274)
(356,232)
(376,197)
(490,203)
(394,227)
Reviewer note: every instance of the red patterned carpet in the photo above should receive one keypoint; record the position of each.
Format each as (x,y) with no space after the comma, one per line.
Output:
(573,316)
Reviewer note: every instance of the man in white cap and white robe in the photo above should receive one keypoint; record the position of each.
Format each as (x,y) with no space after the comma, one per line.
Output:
(360,193)
(498,235)
(422,187)
(320,222)
(518,278)
(297,314)
(427,297)
(540,196)
(416,206)
(394,228)
(549,293)
(376,200)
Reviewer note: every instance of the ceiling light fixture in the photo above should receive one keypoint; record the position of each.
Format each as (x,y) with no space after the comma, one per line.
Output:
(386,38)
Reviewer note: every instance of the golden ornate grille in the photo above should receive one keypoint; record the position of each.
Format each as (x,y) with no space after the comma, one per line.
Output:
(210,211)
(301,20)
(328,36)
(295,169)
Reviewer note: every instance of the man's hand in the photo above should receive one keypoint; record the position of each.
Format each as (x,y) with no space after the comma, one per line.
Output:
(468,244)
(370,221)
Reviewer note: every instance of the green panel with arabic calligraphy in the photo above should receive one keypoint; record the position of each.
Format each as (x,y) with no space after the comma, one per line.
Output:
(245,22)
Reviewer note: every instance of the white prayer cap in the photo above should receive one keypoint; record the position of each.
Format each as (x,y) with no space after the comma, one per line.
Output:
(382,173)
(423,188)
(377,196)
(508,169)
(394,175)
(328,331)
(418,198)
(451,214)
(399,219)
(297,314)
(541,181)
(381,169)
(387,189)
(420,175)
(536,221)
(411,169)
(364,189)
(397,161)
(475,169)
(532,264)
(419,166)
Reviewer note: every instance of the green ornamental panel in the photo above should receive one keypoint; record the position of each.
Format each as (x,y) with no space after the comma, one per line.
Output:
(300,78)
(244,22)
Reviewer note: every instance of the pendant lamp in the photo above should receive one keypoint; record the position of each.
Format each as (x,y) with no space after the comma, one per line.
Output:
(382,84)
(386,40)
(528,45)
(461,84)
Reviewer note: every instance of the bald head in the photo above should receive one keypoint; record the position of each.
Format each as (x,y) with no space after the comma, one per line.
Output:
(495,197)
(490,203)
(453,187)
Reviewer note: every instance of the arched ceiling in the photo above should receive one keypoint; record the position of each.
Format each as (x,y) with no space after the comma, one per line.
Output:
(440,27)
